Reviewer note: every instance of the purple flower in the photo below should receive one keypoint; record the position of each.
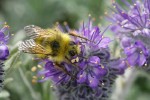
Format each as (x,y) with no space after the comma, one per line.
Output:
(118,66)
(133,29)
(4,52)
(93,53)
(136,54)
(126,41)
(92,72)
(51,72)
(134,21)
(96,72)
(96,37)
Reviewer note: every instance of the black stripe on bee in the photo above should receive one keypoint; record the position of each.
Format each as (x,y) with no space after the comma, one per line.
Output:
(55,47)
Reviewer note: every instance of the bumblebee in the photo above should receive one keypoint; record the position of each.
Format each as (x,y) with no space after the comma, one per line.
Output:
(52,44)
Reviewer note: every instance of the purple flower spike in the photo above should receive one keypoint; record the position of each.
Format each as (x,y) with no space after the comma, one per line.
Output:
(94,73)
(94,50)
(4,52)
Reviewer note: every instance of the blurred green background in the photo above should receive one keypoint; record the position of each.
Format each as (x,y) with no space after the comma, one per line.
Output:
(45,13)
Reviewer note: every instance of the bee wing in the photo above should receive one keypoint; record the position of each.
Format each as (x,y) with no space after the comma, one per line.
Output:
(36,32)
(29,46)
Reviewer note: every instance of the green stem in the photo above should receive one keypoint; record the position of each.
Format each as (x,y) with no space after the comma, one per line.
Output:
(26,82)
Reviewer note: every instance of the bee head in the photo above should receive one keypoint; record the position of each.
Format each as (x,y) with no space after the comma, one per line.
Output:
(73,49)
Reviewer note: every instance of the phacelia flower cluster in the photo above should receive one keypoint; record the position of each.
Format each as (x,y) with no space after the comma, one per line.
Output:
(132,26)
(94,72)
(4,52)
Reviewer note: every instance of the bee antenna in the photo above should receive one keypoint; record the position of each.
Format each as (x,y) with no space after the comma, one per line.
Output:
(73,33)
(82,42)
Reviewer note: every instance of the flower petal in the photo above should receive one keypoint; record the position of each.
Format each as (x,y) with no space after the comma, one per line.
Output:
(142,60)
(82,76)
(4,52)
(104,42)
(94,60)
(93,81)
(126,41)
(99,72)
(133,58)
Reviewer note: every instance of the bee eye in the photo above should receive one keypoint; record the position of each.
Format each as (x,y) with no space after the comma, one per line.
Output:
(72,53)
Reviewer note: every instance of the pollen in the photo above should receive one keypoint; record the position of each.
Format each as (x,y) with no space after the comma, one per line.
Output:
(89,15)
(39,66)
(6,25)
(103,84)
(77,59)
(59,77)
(106,13)
(73,60)
(33,69)
(43,77)
(102,66)
(34,77)
(81,75)
(123,61)
(12,34)
(51,86)
(34,81)
(90,81)
(141,52)
(57,23)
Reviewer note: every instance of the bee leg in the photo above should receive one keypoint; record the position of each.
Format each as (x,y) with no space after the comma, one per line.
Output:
(73,33)
(58,66)
(68,61)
